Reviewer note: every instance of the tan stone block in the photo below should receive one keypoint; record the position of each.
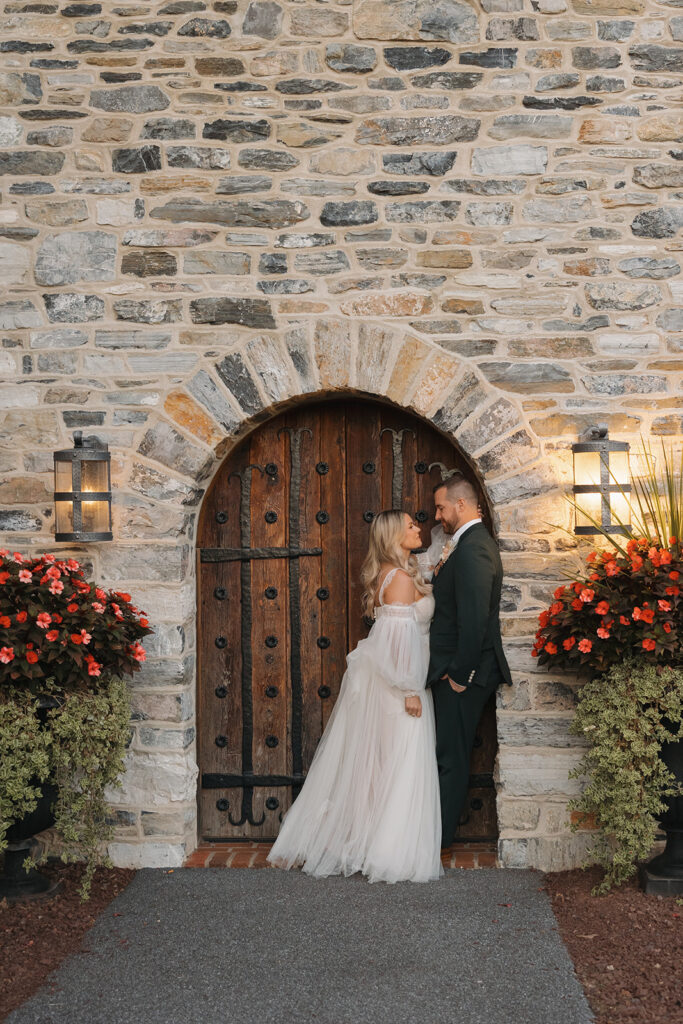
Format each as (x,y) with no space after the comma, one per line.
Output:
(57,214)
(589,266)
(544,58)
(300,135)
(270,65)
(375,345)
(389,304)
(454,304)
(343,161)
(301,306)
(666,127)
(156,184)
(24,490)
(184,411)
(599,129)
(608,8)
(455,259)
(465,236)
(28,428)
(87,160)
(313,22)
(19,26)
(438,378)
(108,129)
(452,20)
(332,345)
(409,361)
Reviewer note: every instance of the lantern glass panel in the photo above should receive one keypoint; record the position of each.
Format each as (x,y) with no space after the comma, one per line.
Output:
(94,475)
(589,505)
(95,516)
(64,513)
(618,468)
(620,509)
(587,469)
(63,475)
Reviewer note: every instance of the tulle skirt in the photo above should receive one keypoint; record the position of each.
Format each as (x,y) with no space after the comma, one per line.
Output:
(370,802)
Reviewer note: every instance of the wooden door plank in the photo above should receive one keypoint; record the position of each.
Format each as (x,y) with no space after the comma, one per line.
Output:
(363,494)
(270,616)
(333,610)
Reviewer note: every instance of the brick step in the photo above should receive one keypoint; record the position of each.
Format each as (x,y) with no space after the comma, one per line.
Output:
(253,855)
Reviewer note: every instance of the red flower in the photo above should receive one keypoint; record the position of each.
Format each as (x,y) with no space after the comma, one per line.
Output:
(612,569)
(649,644)
(100,594)
(556,608)
(56,617)
(569,643)
(4,576)
(674,574)
(632,545)
(32,657)
(577,604)
(672,591)
(664,606)
(85,636)
(5,621)
(144,622)
(43,620)
(592,556)
(543,619)
(603,633)
(666,626)
(73,607)
(76,638)
(550,647)
(53,573)
(585,646)
(534,653)
(93,668)
(6,655)
(25,576)
(672,541)
(587,595)
(126,598)
(559,592)
(602,608)
(22,616)
(665,558)
(624,620)
(56,587)
(52,634)
(138,651)
(636,562)
(73,565)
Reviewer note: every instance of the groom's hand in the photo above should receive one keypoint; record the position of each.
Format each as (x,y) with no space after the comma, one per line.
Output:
(455,686)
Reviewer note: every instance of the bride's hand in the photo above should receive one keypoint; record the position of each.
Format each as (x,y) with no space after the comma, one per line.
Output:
(414,706)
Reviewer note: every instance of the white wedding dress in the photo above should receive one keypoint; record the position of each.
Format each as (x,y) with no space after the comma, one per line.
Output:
(370,802)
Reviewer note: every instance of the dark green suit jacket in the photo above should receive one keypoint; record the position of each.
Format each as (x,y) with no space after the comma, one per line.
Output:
(464,638)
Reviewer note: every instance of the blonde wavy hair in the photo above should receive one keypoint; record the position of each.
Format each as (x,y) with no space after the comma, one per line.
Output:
(386,533)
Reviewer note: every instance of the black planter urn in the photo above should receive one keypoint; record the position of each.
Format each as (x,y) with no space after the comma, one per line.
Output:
(663,875)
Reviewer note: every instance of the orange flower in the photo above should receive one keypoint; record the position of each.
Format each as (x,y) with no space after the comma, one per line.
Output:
(559,592)
(665,558)
(674,574)
(585,646)
(577,604)
(73,607)
(624,621)
(551,648)
(52,634)
(666,627)
(32,657)
(672,591)
(602,608)
(636,562)
(631,546)
(673,540)
(649,644)
(587,595)
(612,569)
(556,608)
(592,556)
(569,643)
(22,616)
(603,633)
(5,621)
(76,638)
(664,606)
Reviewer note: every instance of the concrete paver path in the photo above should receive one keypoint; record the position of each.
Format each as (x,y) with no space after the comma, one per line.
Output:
(268,947)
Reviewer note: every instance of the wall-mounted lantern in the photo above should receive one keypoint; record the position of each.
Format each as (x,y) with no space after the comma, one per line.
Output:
(602,483)
(83,491)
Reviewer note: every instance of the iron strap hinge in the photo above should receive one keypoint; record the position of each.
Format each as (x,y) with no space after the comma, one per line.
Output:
(247,554)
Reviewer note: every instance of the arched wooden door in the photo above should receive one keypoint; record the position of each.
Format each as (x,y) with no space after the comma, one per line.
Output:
(282,537)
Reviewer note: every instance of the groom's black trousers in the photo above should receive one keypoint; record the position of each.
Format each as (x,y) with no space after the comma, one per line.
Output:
(457,718)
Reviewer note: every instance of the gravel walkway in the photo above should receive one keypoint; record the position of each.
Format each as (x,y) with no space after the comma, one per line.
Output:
(260,947)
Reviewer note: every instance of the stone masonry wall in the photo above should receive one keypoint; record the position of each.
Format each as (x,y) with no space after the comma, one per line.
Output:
(210,209)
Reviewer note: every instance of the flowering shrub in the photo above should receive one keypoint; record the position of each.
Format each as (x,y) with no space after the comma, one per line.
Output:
(54,624)
(626,605)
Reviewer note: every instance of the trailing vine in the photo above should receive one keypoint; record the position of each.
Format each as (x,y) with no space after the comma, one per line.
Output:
(80,749)
(627,714)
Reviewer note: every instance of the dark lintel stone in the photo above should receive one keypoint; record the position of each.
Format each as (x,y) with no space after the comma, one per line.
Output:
(91,46)
(448,80)
(494,57)
(238,380)
(434,164)
(116,77)
(53,65)
(355,212)
(80,10)
(41,114)
(267,159)
(240,87)
(302,86)
(149,28)
(409,58)
(31,188)
(221,310)
(656,58)
(398,188)
(136,161)
(18,46)
(262,213)
(204,27)
(36,162)
(560,102)
(236,131)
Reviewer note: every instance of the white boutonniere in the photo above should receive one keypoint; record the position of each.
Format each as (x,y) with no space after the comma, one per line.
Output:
(446,552)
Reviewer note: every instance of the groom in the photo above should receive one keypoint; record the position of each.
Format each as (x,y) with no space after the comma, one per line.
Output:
(467,662)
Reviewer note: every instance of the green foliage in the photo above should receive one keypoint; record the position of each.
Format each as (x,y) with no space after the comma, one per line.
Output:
(627,714)
(80,749)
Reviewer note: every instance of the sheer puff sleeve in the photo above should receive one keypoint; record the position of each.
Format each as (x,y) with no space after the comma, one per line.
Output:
(397,649)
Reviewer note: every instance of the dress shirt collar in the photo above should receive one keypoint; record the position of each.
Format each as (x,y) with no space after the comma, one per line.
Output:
(463,529)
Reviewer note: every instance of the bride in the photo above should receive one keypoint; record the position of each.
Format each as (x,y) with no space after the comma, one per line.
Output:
(370,802)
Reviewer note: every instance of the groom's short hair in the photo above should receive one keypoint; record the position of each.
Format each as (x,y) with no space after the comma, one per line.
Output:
(458,486)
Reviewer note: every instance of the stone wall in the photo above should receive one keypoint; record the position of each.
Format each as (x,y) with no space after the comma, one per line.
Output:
(210,209)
